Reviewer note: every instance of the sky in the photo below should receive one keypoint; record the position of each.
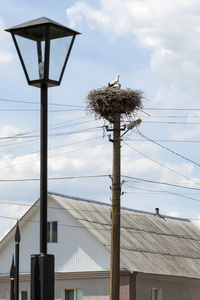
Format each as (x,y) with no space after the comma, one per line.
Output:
(154,47)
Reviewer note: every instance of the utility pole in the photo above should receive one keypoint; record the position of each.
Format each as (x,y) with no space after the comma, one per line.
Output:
(113,104)
(116,195)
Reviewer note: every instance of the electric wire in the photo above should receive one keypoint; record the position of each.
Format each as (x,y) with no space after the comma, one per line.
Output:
(172,193)
(49,149)
(61,104)
(55,155)
(170,109)
(162,164)
(162,183)
(50,128)
(172,122)
(37,103)
(164,147)
(165,141)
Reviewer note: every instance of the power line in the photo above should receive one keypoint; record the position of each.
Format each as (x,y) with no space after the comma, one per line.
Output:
(156,143)
(171,193)
(26,136)
(54,178)
(172,122)
(60,154)
(165,141)
(37,103)
(163,165)
(80,106)
(162,183)
(49,149)
(179,109)
(170,116)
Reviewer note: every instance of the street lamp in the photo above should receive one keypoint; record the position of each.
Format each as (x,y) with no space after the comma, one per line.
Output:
(43,47)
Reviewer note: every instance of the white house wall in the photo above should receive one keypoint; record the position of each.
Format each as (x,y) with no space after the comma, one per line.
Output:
(76,250)
(29,244)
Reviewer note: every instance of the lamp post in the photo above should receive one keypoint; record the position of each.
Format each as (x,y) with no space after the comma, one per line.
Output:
(43,47)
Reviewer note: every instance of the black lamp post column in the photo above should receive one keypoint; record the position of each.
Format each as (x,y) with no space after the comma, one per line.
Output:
(42,265)
(43,169)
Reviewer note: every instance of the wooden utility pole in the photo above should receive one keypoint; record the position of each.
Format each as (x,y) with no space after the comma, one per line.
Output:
(116,195)
(113,104)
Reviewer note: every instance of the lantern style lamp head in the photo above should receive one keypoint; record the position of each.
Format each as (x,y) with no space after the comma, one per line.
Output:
(43,47)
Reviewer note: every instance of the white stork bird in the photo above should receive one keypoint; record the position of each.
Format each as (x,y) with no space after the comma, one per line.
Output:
(114,83)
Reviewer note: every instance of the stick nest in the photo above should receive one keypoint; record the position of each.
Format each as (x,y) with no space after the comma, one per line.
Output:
(107,102)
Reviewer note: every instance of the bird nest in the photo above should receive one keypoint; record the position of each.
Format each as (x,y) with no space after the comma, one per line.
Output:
(107,102)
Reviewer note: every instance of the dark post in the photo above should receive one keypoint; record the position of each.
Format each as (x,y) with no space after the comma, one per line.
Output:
(12,280)
(42,265)
(116,195)
(17,241)
(43,170)
(42,277)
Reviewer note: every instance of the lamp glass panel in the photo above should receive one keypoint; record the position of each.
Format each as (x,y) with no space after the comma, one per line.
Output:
(30,54)
(59,48)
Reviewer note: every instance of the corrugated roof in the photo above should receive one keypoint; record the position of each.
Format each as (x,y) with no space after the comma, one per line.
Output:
(150,243)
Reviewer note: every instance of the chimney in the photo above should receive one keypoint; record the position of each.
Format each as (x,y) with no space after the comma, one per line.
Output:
(157,211)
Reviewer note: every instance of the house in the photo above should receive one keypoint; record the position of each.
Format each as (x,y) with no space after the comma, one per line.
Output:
(160,255)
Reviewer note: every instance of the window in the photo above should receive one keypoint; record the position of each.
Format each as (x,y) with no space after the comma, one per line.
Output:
(156,294)
(24,295)
(74,294)
(52,232)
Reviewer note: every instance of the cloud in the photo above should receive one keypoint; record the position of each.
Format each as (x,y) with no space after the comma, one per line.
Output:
(169,29)
(8,131)
(6,55)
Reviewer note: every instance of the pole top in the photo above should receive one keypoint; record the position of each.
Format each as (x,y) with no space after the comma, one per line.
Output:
(17,234)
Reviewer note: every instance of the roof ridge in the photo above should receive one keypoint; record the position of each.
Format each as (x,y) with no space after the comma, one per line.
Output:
(122,207)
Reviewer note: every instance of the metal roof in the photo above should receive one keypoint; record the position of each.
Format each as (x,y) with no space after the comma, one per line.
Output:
(150,243)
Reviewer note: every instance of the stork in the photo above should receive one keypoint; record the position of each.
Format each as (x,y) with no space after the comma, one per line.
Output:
(114,82)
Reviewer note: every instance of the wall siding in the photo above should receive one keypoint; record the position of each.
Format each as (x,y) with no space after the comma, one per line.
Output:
(76,250)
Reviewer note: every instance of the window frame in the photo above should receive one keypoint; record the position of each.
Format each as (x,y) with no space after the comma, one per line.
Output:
(158,294)
(50,232)
(21,295)
(75,293)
